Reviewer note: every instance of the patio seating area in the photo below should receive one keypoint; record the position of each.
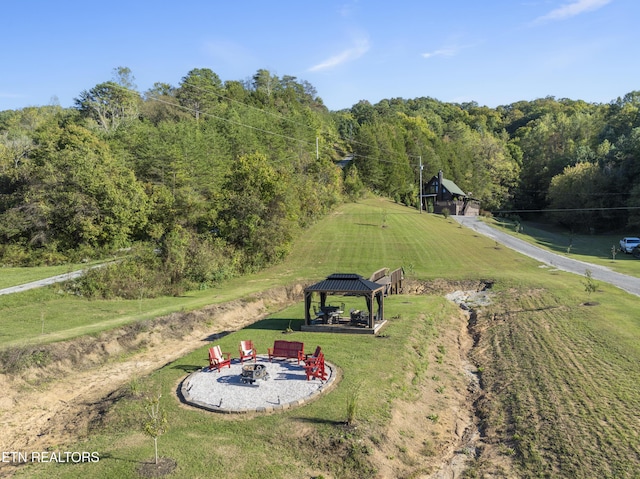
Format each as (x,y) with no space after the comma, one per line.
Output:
(286,385)
(281,379)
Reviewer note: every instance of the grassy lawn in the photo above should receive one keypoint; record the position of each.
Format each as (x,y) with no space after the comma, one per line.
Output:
(560,395)
(284,445)
(17,276)
(358,238)
(561,382)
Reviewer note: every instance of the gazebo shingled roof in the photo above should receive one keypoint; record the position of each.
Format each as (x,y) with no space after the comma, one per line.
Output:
(344,283)
(347,283)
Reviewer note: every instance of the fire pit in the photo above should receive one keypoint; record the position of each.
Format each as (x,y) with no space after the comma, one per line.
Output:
(252,372)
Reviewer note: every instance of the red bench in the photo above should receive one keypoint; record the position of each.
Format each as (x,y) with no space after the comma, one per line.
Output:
(287,349)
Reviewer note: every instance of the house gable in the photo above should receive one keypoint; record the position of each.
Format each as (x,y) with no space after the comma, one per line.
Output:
(439,194)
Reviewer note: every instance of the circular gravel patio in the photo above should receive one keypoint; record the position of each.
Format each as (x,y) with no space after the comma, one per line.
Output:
(224,391)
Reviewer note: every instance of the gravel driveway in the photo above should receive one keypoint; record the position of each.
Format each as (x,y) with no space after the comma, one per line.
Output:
(600,273)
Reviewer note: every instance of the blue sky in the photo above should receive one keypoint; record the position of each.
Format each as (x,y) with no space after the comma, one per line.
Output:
(494,52)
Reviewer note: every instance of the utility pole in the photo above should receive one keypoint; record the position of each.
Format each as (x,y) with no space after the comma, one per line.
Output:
(420,186)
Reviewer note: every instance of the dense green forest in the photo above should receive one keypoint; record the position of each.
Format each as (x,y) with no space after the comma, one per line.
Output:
(208,179)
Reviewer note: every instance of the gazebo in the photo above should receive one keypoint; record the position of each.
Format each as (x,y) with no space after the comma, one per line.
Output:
(352,285)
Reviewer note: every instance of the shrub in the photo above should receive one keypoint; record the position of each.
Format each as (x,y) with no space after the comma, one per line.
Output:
(14,255)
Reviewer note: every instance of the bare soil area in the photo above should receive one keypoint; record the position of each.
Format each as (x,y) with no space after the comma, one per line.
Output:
(437,435)
(43,408)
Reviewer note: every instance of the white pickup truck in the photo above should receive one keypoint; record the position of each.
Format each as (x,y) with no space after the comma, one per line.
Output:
(627,244)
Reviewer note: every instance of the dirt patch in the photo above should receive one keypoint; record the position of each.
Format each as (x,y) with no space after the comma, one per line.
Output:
(164,467)
(438,435)
(425,435)
(442,287)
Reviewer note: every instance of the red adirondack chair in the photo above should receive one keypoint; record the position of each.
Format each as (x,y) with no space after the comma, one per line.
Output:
(315,354)
(218,359)
(247,350)
(314,367)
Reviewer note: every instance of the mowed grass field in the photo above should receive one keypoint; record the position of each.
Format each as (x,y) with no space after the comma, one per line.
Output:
(560,379)
(358,238)
(17,276)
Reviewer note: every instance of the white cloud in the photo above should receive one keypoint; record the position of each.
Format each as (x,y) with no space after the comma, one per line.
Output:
(360,47)
(572,9)
(442,52)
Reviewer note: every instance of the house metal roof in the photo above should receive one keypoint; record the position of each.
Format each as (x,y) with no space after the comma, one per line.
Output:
(452,187)
(345,283)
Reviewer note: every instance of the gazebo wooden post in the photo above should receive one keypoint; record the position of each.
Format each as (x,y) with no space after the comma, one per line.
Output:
(371,308)
(307,306)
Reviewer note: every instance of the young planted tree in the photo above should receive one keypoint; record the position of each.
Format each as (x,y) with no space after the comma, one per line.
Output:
(590,284)
(156,423)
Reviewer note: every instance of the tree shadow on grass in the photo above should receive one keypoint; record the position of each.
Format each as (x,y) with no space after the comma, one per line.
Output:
(318,420)
(216,336)
(188,368)
(107,456)
(279,324)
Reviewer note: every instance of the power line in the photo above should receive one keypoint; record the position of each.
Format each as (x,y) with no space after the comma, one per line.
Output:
(262,130)
(279,115)
(269,132)
(282,117)
(562,210)
(274,114)
(228,120)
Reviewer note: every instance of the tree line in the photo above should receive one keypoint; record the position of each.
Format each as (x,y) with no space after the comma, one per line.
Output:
(567,161)
(207,179)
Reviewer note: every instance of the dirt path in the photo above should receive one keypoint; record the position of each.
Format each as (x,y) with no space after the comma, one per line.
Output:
(48,281)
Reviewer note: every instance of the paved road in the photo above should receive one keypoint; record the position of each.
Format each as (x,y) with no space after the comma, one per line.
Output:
(601,273)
